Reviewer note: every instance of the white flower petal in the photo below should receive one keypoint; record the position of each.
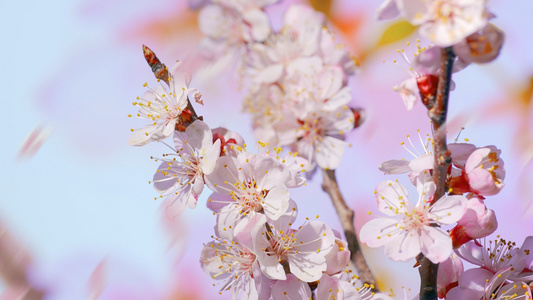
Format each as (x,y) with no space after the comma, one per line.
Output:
(328,153)
(290,289)
(276,202)
(258,20)
(208,162)
(436,244)
(404,246)
(395,166)
(392,198)
(199,135)
(378,232)
(448,210)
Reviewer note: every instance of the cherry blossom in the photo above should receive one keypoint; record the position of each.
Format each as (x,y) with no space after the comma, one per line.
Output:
(237,266)
(303,251)
(482,46)
(445,22)
(245,186)
(181,178)
(346,285)
(319,136)
(298,39)
(163,106)
(424,159)
(485,171)
(413,232)
(339,256)
(496,287)
(497,255)
(502,267)
(477,222)
(231,143)
(230,26)
(424,69)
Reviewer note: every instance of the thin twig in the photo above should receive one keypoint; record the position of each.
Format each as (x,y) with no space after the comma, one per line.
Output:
(437,113)
(346,216)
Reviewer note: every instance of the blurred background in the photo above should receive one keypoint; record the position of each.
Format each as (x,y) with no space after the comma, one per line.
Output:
(78,218)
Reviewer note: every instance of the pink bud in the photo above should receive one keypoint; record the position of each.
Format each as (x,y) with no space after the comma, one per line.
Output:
(485,172)
(448,275)
(481,47)
(477,222)
(337,259)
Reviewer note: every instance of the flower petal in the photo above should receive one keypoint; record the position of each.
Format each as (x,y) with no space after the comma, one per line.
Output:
(292,288)
(448,210)
(404,246)
(378,232)
(391,198)
(436,244)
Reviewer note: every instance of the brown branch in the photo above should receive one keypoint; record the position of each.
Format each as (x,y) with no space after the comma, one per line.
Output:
(15,261)
(437,113)
(346,216)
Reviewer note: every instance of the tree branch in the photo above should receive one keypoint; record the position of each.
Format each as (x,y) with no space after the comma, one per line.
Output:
(346,216)
(437,113)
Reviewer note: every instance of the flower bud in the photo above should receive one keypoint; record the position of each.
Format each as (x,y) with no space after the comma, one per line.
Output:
(477,222)
(481,47)
(448,275)
(485,171)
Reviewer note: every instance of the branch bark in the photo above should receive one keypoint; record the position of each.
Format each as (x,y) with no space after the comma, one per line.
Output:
(346,217)
(437,113)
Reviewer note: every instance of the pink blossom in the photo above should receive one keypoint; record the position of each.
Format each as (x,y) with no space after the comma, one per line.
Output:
(181,177)
(482,46)
(291,288)
(245,186)
(485,172)
(482,284)
(498,255)
(162,106)
(424,159)
(237,266)
(445,22)
(231,143)
(448,274)
(413,232)
(302,250)
(346,286)
(477,222)
(338,258)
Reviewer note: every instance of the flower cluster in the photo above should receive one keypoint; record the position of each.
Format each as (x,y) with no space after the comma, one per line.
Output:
(297,93)
(461,25)
(257,252)
(503,271)
(297,78)
(474,174)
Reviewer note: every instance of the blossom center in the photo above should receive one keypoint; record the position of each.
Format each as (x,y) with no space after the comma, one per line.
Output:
(250,198)
(311,130)
(417,219)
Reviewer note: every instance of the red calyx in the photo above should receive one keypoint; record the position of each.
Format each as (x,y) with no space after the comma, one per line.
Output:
(459,184)
(427,85)
(359,116)
(459,236)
